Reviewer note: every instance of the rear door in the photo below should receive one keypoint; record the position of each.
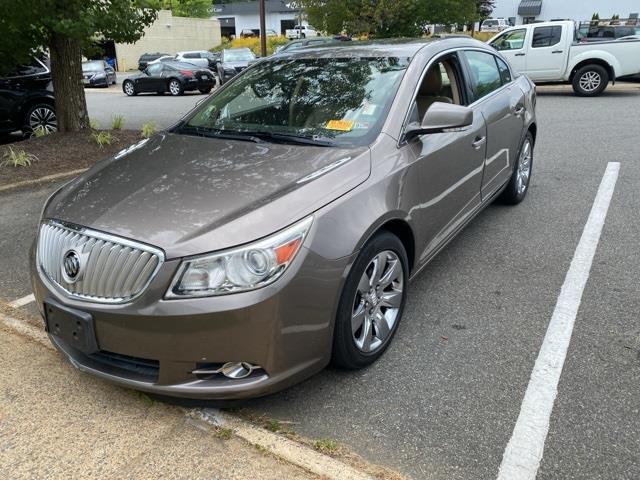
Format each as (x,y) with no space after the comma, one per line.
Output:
(501,103)
(547,56)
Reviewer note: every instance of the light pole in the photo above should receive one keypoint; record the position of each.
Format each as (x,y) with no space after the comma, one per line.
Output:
(263,33)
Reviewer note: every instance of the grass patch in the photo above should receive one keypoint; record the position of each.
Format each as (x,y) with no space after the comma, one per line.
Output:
(273,426)
(17,158)
(117,122)
(223,433)
(148,129)
(39,132)
(148,401)
(326,445)
(102,138)
(93,124)
(261,449)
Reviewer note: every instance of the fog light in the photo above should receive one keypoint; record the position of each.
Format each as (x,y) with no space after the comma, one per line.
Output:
(237,369)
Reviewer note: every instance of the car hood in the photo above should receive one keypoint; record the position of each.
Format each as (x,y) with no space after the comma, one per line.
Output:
(190,195)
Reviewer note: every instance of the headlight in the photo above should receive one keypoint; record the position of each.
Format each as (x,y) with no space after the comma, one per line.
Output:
(240,269)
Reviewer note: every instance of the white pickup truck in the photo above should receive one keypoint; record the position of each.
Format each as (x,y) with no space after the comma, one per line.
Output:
(547,52)
(301,31)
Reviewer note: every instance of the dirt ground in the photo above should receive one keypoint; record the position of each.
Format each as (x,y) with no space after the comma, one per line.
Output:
(62,152)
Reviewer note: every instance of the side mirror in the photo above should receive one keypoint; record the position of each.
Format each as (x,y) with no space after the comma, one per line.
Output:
(439,118)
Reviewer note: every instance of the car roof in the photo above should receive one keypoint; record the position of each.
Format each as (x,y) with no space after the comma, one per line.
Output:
(182,65)
(384,47)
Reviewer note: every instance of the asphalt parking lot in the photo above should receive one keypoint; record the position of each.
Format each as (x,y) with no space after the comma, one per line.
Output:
(443,401)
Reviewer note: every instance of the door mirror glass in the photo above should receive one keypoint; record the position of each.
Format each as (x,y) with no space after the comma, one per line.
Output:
(441,117)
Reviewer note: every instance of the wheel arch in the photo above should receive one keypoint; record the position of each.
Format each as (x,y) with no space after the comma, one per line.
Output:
(399,227)
(31,102)
(594,61)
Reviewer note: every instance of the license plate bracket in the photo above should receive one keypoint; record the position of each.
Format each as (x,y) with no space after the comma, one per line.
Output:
(74,327)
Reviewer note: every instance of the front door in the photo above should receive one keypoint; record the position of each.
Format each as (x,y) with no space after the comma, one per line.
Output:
(512,46)
(448,165)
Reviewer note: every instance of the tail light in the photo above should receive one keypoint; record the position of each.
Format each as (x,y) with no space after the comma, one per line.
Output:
(186,73)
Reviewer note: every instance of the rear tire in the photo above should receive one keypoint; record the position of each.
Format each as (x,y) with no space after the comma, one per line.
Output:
(371,303)
(518,185)
(590,80)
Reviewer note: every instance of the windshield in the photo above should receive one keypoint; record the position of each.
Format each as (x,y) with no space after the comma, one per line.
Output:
(238,55)
(96,66)
(336,101)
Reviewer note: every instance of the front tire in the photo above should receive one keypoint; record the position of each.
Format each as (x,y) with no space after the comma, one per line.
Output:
(518,185)
(371,303)
(129,88)
(590,80)
(175,87)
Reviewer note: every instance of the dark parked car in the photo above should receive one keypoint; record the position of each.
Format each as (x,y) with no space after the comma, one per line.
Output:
(145,58)
(98,73)
(232,61)
(26,99)
(276,227)
(308,42)
(173,77)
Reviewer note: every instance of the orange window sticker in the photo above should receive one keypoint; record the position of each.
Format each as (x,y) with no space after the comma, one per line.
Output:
(342,125)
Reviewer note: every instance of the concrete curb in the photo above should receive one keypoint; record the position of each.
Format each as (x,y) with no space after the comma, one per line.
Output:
(37,181)
(283,448)
(288,450)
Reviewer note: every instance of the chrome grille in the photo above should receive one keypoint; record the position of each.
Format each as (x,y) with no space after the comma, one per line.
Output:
(112,269)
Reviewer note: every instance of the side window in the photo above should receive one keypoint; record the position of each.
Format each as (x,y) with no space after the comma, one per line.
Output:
(483,71)
(546,36)
(505,74)
(513,40)
(441,83)
(154,69)
(192,55)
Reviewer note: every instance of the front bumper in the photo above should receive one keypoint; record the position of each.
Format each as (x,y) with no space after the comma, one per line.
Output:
(286,328)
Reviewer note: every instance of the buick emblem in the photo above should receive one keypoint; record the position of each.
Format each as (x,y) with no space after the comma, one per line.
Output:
(71,266)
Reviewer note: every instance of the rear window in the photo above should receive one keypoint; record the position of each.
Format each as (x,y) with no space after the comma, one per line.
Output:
(546,36)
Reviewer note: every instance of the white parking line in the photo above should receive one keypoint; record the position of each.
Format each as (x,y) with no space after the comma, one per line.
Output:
(524,451)
(21,302)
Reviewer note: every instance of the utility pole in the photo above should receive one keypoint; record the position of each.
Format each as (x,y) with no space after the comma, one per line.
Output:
(263,32)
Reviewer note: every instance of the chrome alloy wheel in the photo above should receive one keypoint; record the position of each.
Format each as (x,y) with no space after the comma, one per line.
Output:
(174,87)
(43,118)
(129,89)
(377,301)
(524,167)
(590,81)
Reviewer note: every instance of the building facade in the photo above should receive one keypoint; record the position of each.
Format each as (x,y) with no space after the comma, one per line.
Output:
(170,34)
(527,11)
(238,16)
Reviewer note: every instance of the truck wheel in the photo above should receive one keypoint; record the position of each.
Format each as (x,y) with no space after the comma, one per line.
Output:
(590,80)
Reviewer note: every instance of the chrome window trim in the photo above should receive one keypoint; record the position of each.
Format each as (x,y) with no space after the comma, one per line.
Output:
(405,121)
(100,236)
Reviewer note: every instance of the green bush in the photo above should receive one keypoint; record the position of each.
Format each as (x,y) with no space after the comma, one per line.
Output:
(102,138)
(117,122)
(252,43)
(17,158)
(148,129)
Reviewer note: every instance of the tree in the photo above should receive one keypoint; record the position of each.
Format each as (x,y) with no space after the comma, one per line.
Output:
(484,8)
(189,8)
(387,18)
(64,28)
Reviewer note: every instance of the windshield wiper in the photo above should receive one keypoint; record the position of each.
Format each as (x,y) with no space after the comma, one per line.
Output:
(287,138)
(215,133)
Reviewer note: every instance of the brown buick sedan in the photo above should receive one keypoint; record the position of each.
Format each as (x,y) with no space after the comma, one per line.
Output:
(276,227)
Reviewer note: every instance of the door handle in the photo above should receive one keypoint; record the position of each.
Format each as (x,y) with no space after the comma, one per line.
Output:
(557,51)
(519,55)
(519,110)
(479,142)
